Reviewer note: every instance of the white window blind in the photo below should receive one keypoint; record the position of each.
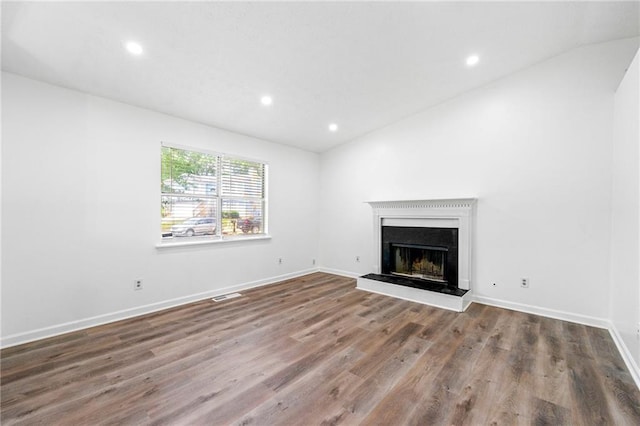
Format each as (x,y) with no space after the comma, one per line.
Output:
(205,195)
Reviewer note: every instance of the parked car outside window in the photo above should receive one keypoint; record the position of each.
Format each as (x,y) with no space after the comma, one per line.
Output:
(194,226)
(250,225)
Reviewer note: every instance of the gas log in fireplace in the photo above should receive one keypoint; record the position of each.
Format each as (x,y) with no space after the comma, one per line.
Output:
(421,254)
(421,262)
(423,251)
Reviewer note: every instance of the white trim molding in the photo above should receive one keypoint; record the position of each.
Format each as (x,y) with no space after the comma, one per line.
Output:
(625,353)
(346,274)
(55,330)
(544,312)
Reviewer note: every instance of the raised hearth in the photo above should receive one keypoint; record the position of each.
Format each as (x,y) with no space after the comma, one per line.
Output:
(417,284)
(423,251)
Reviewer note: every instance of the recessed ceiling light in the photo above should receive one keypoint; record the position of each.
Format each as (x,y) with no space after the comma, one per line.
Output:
(333,127)
(266,100)
(134,48)
(472,60)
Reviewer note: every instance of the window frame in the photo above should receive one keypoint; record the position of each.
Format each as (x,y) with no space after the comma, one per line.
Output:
(218,237)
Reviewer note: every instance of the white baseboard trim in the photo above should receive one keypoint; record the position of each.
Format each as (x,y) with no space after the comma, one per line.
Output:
(576,318)
(55,330)
(347,274)
(550,313)
(625,353)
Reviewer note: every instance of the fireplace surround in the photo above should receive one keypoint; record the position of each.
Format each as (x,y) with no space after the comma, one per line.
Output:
(423,251)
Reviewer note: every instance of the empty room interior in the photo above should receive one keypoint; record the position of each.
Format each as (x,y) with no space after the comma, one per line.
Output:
(305,213)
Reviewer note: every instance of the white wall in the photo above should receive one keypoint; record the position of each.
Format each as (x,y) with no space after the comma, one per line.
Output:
(80,212)
(625,231)
(80,196)
(535,148)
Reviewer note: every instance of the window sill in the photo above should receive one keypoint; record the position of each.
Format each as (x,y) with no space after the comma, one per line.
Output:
(208,241)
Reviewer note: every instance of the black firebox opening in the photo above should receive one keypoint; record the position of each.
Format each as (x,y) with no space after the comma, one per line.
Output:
(416,261)
(421,255)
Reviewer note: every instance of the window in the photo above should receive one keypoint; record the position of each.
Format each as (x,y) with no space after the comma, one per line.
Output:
(206,196)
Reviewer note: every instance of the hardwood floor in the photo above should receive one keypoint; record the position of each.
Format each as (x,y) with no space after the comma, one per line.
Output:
(314,350)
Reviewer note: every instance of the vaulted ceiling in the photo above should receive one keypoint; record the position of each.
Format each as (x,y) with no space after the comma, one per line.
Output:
(361,65)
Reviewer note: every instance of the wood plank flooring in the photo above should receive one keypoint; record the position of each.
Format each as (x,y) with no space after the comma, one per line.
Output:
(316,351)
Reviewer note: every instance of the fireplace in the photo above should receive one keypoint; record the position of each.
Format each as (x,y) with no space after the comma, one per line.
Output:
(423,251)
(420,253)
(420,262)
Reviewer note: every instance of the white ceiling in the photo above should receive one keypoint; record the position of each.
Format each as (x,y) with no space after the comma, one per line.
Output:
(362,65)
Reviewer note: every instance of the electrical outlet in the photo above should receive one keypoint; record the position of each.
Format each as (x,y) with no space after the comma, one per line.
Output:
(357,259)
(279,261)
(524,283)
(137,284)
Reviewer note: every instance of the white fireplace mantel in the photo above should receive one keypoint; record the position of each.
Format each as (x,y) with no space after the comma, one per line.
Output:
(443,213)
